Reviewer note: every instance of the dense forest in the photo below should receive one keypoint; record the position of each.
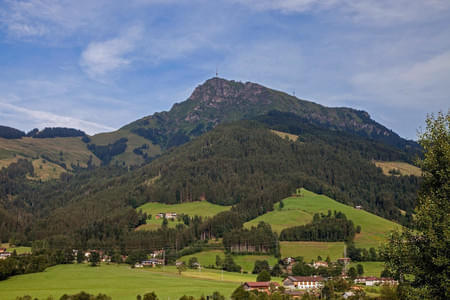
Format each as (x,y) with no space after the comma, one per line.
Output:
(53,132)
(10,133)
(324,228)
(106,152)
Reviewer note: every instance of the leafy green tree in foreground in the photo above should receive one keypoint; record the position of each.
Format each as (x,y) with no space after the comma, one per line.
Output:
(420,258)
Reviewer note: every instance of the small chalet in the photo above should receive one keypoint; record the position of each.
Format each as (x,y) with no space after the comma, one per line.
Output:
(263,286)
(371,281)
(159,216)
(152,262)
(319,264)
(171,215)
(303,282)
(2,250)
(157,253)
(344,260)
(358,207)
(5,255)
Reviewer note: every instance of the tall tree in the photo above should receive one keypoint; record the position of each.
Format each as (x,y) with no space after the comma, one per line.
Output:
(420,257)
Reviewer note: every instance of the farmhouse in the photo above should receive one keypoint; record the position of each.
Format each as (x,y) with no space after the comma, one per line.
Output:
(263,286)
(303,282)
(371,281)
(152,262)
(344,260)
(319,264)
(5,255)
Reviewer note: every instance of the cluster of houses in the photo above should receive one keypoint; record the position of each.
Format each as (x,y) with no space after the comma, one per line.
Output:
(297,286)
(4,254)
(169,215)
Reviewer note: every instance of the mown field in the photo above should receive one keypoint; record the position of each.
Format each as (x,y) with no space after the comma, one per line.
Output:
(120,282)
(371,268)
(69,150)
(198,208)
(310,250)
(247,262)
(19,250)
(300,210)
(402,167)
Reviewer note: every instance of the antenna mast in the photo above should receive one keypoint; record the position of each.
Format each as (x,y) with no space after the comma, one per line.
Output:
(217,72)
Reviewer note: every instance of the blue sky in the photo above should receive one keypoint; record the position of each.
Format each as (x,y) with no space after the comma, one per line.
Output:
(98,65)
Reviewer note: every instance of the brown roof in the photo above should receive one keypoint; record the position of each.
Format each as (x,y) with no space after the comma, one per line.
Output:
(261,284)
(305,278)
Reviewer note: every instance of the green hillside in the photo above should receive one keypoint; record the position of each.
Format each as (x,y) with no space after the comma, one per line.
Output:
(67,150)
(197,208)
(300,210)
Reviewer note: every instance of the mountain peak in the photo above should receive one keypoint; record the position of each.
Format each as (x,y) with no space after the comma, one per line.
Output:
(216,90)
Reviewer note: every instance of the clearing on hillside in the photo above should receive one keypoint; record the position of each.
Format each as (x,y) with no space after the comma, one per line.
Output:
(283,135)
(68,150)
(197,208)
(401,168)
(300,210)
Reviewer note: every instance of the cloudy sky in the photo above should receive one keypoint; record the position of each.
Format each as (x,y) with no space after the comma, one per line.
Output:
(98,65)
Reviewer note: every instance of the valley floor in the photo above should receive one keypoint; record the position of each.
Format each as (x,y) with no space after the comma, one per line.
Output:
(121,282)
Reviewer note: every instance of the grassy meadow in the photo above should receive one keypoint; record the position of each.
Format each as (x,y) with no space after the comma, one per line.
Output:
(300,210)
(19,250)
(403,167)
(310,250)
(121,282)
(247,262)
(73,150)
(371,268)
(198,208)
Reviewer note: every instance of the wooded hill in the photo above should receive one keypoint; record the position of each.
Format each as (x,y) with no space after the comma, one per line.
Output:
(242,164)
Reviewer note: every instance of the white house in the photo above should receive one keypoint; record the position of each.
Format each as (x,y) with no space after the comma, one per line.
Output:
(303,282)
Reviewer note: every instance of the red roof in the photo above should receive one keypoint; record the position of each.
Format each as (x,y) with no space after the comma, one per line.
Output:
(261,284)
(305,278)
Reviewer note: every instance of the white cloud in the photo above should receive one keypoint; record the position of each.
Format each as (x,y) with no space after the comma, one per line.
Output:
(374,12)
(101,58)
(41,119)
(421,84)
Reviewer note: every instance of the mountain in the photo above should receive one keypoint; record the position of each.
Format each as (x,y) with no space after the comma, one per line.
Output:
(214,102)
(218,100)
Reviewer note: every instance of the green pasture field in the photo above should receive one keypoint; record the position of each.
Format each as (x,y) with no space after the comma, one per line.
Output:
(310,250)
(19,250)
(247,262)
(371,268)
(121,282)
(198,208)
(300,210)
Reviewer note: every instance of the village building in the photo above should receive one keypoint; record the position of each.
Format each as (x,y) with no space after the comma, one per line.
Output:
(372,281)
(2,250)
(152,262)
(263,286)
(319,264)
(5,255)
(157,253)
(344,260)
(303,282)
(358,207)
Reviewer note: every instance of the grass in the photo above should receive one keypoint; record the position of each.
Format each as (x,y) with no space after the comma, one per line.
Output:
(46,170)
(283,135)
(310,250)
(73,149)
(247,262)
(300,210)
(402,167)
(371,268)
(19,250)
(198,208)
(120,282)
(134,141)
